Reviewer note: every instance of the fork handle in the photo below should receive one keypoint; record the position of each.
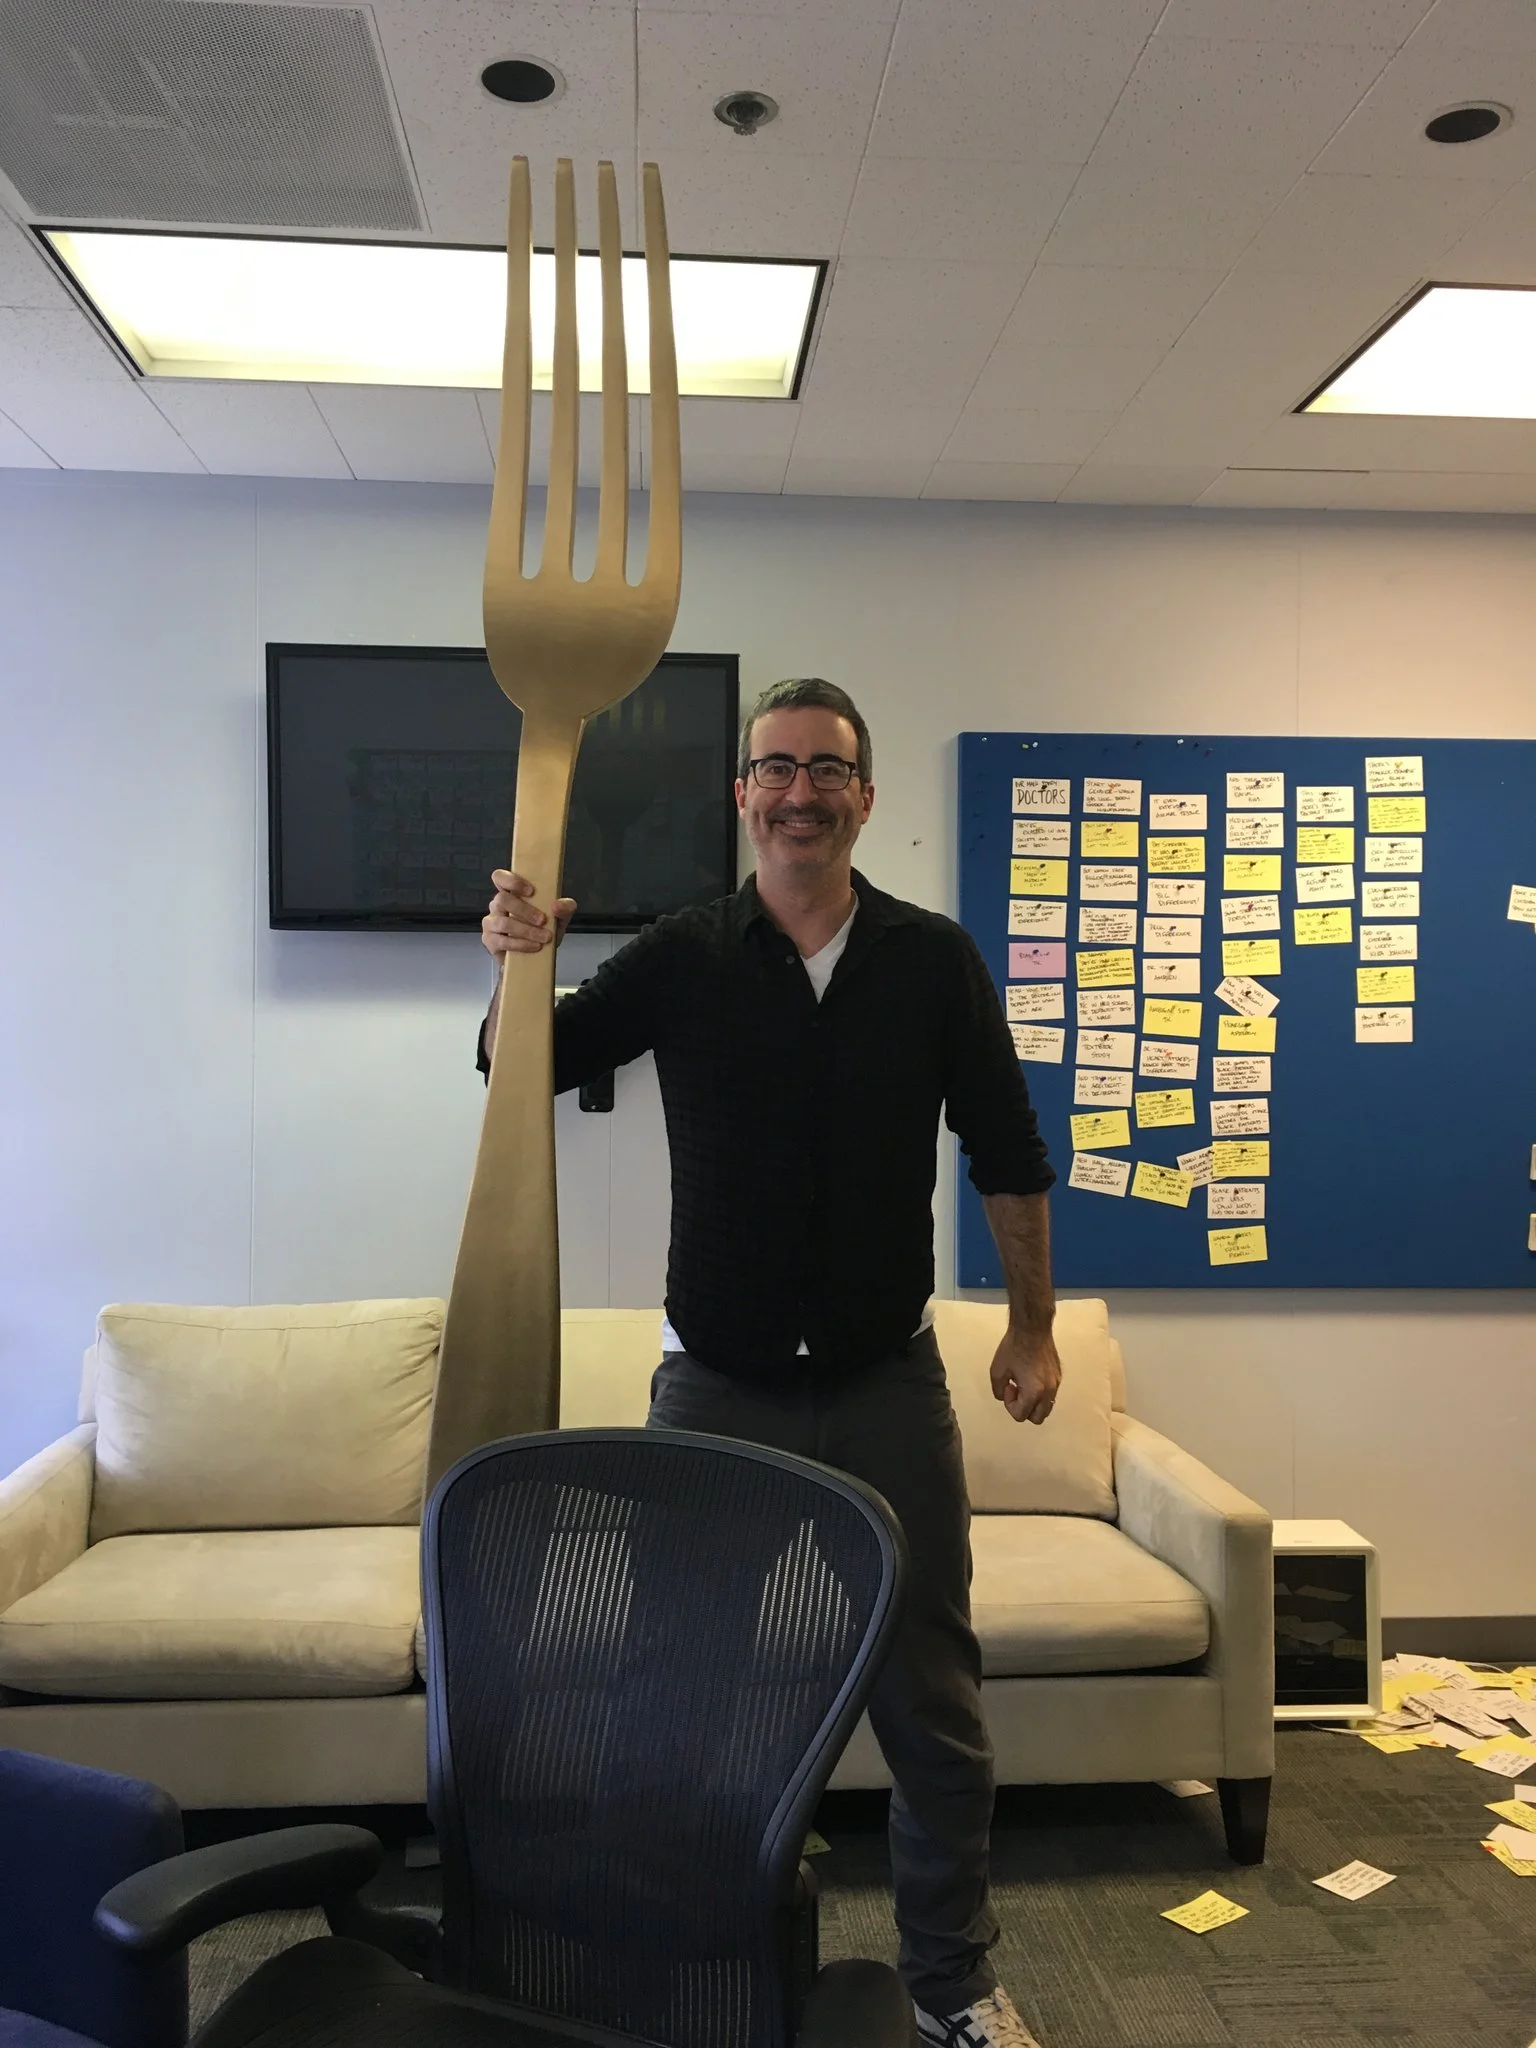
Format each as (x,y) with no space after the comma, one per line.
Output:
(499,1368)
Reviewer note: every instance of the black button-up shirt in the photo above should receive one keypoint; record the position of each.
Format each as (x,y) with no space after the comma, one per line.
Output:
(803,1134)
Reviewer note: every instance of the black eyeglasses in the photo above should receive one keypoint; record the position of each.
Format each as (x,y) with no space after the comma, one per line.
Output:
(778,771)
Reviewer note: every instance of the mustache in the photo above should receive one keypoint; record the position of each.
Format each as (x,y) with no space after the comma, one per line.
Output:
(817,813)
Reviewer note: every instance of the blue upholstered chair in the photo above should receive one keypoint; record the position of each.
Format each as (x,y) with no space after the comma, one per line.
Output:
(67,1835)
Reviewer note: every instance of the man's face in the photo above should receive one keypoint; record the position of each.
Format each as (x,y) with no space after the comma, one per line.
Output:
(802,828)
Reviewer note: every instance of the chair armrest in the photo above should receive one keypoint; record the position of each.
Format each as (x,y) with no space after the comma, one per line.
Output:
(45,1513)
(858,2005)
(1223,1543)
(159,1910)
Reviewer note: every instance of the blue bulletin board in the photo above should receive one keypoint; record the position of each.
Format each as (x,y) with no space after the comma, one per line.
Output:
(1386,1139)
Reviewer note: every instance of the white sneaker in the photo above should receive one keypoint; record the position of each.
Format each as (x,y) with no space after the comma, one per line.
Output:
(992,2022)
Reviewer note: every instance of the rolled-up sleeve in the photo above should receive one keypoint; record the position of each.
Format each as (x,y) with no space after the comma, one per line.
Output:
(986,1103)
(611,1019)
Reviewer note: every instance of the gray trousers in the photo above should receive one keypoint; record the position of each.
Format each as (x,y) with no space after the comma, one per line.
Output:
(893,1427)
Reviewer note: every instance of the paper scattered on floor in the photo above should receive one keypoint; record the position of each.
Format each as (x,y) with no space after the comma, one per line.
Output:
(816,1845)
(1521,1812)
(1356,1880)
(1522,1866)
(1202,1914)
(1191,1788)
(1509,1756)
(1391,1744)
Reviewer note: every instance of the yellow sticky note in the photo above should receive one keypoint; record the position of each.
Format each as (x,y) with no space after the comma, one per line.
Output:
(1037,878)
(1113,969)
(1396,814)
(1247,1246)
(1240,1159)
(1250,956)
(1099,1128)
(1497,1745)
(1320,844)
(1244,1034)
(1163,1018)
(1156,1107)
(1113,839)
(1175,856)
(1163,1183)
(1323,927)
(1396,1686)
(1519,1812)
(1250,874)
(1521,1866)
(1383,984)
(1389,1745)
(1202,1914)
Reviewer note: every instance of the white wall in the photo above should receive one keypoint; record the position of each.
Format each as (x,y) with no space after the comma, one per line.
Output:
(193,1107)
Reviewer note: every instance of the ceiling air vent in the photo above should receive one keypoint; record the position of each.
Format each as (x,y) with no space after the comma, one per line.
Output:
(193,112)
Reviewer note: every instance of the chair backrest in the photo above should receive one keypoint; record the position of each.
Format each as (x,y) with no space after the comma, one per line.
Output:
(68,1834)
(645,1651)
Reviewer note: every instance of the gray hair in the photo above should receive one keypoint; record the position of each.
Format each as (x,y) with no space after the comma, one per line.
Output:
(798,693)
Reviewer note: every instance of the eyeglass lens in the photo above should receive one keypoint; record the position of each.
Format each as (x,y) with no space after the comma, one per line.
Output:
(778,772)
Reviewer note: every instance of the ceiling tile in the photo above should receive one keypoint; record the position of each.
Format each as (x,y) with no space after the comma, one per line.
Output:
(1016,483)
(51,345)
(998,82)
(757,473)
(899,333)
(1385,135)
(1096,376)
(27,277)
(823,69)
(1478,25)
(965,212)
(1066,304)
(1389,491)
(1124,214)
(1264,489)
(1325,440)
(249,429)
(1115,483)
(1501,247)
(821,476)
(589,446)
(1465,446)
(19,450)
(755,428)
(94,425)
(1383,23)
(1333,222)
(842,431)
(414,435)
(1204,103)
(852,10)
(730,200)
(1050,435)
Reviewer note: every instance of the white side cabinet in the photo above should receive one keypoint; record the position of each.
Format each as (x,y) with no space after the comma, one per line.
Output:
(1327,1623)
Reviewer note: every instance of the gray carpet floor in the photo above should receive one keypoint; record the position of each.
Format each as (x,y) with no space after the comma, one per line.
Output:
(1445,1957)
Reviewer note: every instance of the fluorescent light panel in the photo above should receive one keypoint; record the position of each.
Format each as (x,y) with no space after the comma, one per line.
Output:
(1458,352)
(389,313)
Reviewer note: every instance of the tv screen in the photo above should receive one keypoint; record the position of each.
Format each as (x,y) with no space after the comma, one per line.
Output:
(392,771)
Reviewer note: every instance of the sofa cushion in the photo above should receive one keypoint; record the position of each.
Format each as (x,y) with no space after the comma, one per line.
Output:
(1060,1593)
(262,1418)
(231,1614)
(1063,1466)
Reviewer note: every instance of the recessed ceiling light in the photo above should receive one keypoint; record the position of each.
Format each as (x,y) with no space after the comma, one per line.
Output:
(392,313)
(525,81)
(1457,351)
(1469,123)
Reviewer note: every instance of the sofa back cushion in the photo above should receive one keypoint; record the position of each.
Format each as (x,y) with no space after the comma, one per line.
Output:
(262,1418)
(1064,1466)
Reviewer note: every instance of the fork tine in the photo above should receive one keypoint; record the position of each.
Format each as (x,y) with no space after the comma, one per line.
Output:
(509,495)
(664,540)
(613,496)
(560,504)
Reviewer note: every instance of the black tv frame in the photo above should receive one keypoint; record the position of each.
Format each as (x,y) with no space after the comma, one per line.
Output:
(284,920)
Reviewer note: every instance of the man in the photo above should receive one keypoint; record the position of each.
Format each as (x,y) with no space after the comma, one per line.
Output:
(807,1032)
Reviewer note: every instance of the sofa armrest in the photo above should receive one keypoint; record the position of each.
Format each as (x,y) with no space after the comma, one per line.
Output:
(1222,1542)
(45,1513)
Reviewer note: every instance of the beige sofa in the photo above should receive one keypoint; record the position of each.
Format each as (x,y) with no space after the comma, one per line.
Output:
(211,1582)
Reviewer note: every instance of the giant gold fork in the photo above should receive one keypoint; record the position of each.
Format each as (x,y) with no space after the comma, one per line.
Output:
(562,650)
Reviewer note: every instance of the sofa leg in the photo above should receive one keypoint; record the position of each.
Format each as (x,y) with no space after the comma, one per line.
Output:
(1245,1815)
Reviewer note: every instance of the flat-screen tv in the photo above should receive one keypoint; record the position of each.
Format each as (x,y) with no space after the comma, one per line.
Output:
(392,771)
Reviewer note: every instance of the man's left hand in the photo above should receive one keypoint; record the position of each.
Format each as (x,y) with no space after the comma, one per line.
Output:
(1025,1375)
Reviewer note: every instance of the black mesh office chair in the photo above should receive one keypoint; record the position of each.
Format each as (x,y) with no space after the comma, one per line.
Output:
(646,1650)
